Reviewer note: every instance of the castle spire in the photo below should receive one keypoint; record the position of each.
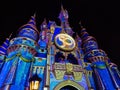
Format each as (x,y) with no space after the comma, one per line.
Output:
(4,46)
(62,9)
(81,24)
(32,20)
(98,59)
(10,36)
(63,31)
(31,23)
(63,16)
(78,40)
(29,29)
(89,42)
(34,15)
(44,24)
(84,33)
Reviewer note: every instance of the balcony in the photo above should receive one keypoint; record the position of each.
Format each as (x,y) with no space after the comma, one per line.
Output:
(61,69)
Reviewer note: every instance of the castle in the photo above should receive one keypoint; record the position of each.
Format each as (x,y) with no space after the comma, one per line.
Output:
(51,59)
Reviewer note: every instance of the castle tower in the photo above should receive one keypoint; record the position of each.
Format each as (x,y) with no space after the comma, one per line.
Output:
(3,51)
(64,62)
(63,16)
(19,58)
(105,78)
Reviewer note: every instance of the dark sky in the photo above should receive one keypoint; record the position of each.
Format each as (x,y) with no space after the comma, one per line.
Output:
(100,17)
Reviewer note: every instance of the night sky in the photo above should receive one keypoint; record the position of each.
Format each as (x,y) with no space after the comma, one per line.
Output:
(101,18)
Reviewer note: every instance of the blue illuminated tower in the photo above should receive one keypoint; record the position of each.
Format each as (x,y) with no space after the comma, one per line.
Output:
(19,58)
(104,72)
(52,59)
(3,51)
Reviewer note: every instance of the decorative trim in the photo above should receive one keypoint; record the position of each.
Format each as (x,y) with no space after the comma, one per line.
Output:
(68,43)
(22,58)
(68,82)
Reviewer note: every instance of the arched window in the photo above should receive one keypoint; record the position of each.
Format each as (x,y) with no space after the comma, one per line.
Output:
(52,50)
(71,58)
(59,57)
(68,87)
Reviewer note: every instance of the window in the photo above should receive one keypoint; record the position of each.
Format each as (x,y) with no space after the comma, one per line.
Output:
(59,57)
(72,59)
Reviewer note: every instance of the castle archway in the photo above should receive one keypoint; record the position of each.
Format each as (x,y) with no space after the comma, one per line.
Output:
(68,84)
(68,87)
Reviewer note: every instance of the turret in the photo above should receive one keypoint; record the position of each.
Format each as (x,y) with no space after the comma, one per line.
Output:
(3,51)
(29,30)
(21,52)
(93,53)
(44,25)
(63,16)
(51,26)
(98,58)
(4,46)
(44,30)
(78,40)
(43,40)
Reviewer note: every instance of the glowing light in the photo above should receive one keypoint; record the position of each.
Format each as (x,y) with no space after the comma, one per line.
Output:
(65,42)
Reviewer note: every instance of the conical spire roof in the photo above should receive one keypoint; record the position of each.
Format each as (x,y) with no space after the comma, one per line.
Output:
(44,24)
(84,32)
(30,24)
(63,14)
(4,46)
